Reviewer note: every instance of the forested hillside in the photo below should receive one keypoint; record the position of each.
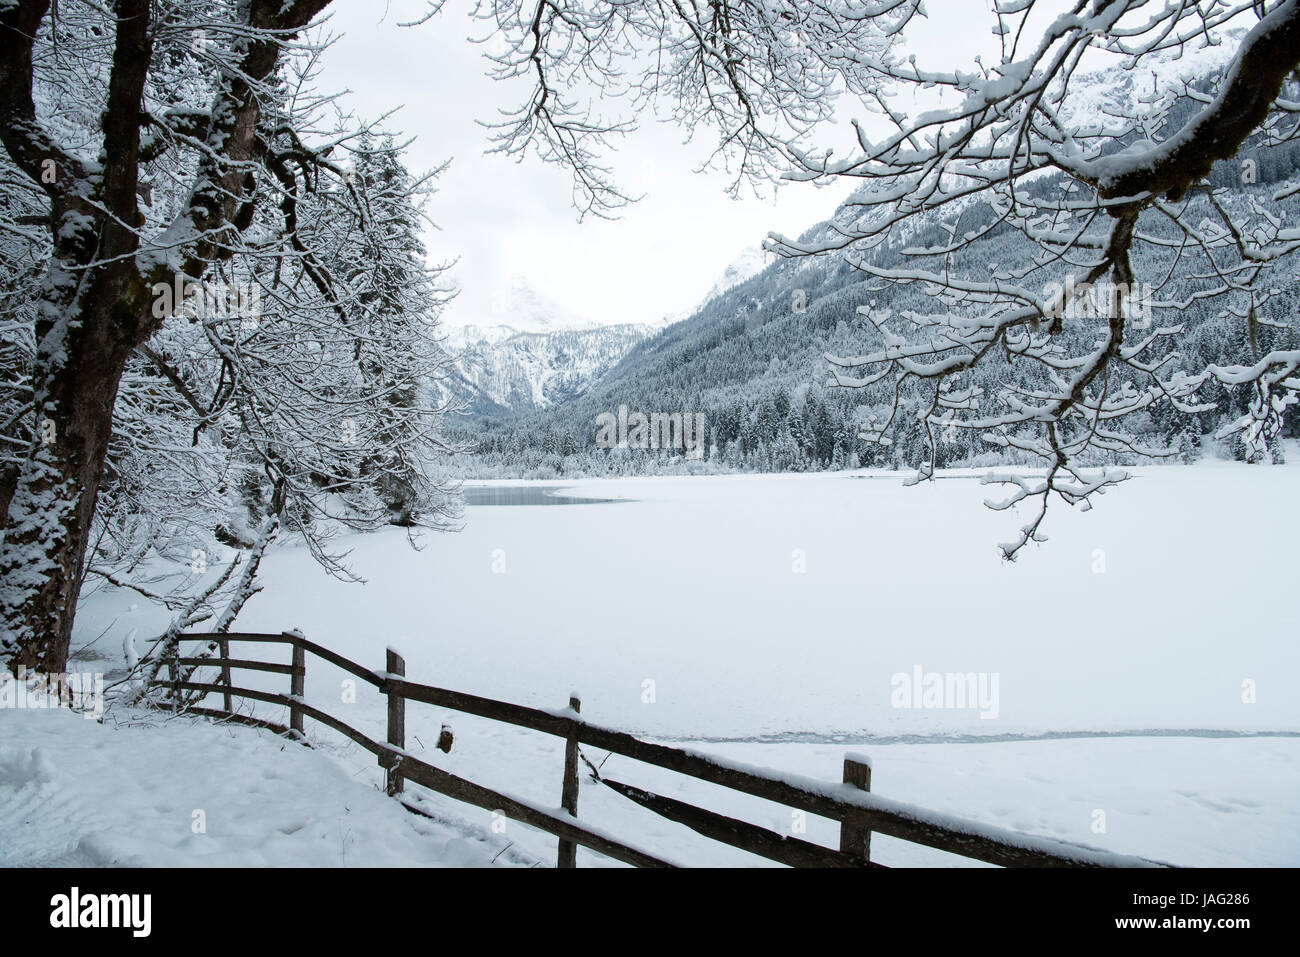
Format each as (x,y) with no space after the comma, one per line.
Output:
(754,359)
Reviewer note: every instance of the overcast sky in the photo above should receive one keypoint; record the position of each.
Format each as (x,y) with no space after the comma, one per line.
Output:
(504,220)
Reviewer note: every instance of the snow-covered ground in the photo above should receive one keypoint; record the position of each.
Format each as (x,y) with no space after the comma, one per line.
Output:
(187,793)
(1137,656)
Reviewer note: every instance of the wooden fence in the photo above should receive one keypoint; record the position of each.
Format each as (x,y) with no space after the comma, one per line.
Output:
(851,803)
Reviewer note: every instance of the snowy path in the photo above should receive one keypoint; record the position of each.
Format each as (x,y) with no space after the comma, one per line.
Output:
(73,793)
(188,793)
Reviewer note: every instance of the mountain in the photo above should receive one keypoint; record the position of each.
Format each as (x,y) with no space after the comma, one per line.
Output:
(518,308)
(752,261)
(536,353)
(533,354)
(752,357)
(498,371)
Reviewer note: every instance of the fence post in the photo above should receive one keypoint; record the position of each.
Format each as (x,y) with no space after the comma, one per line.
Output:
(396,665)
(223,645)
(568,855)
(856,840)
(297,685)
(174,673)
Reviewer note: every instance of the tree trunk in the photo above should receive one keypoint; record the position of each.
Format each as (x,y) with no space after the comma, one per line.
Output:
(78,368)
(93,313)
(95,307)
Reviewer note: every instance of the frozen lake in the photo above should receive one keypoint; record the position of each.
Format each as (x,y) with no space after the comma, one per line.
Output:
(785,605)
(1129,663)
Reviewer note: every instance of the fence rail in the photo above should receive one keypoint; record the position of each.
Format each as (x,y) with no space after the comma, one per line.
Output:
(850,803)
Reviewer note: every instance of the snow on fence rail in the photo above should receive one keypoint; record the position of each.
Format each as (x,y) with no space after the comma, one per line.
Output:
(851,803)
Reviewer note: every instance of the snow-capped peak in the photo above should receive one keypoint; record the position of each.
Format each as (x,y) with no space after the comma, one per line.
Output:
(517,308)
(752,261)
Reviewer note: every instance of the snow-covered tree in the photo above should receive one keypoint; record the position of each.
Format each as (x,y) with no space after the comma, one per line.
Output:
(226,308)
(1116,211)
(1116,225)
